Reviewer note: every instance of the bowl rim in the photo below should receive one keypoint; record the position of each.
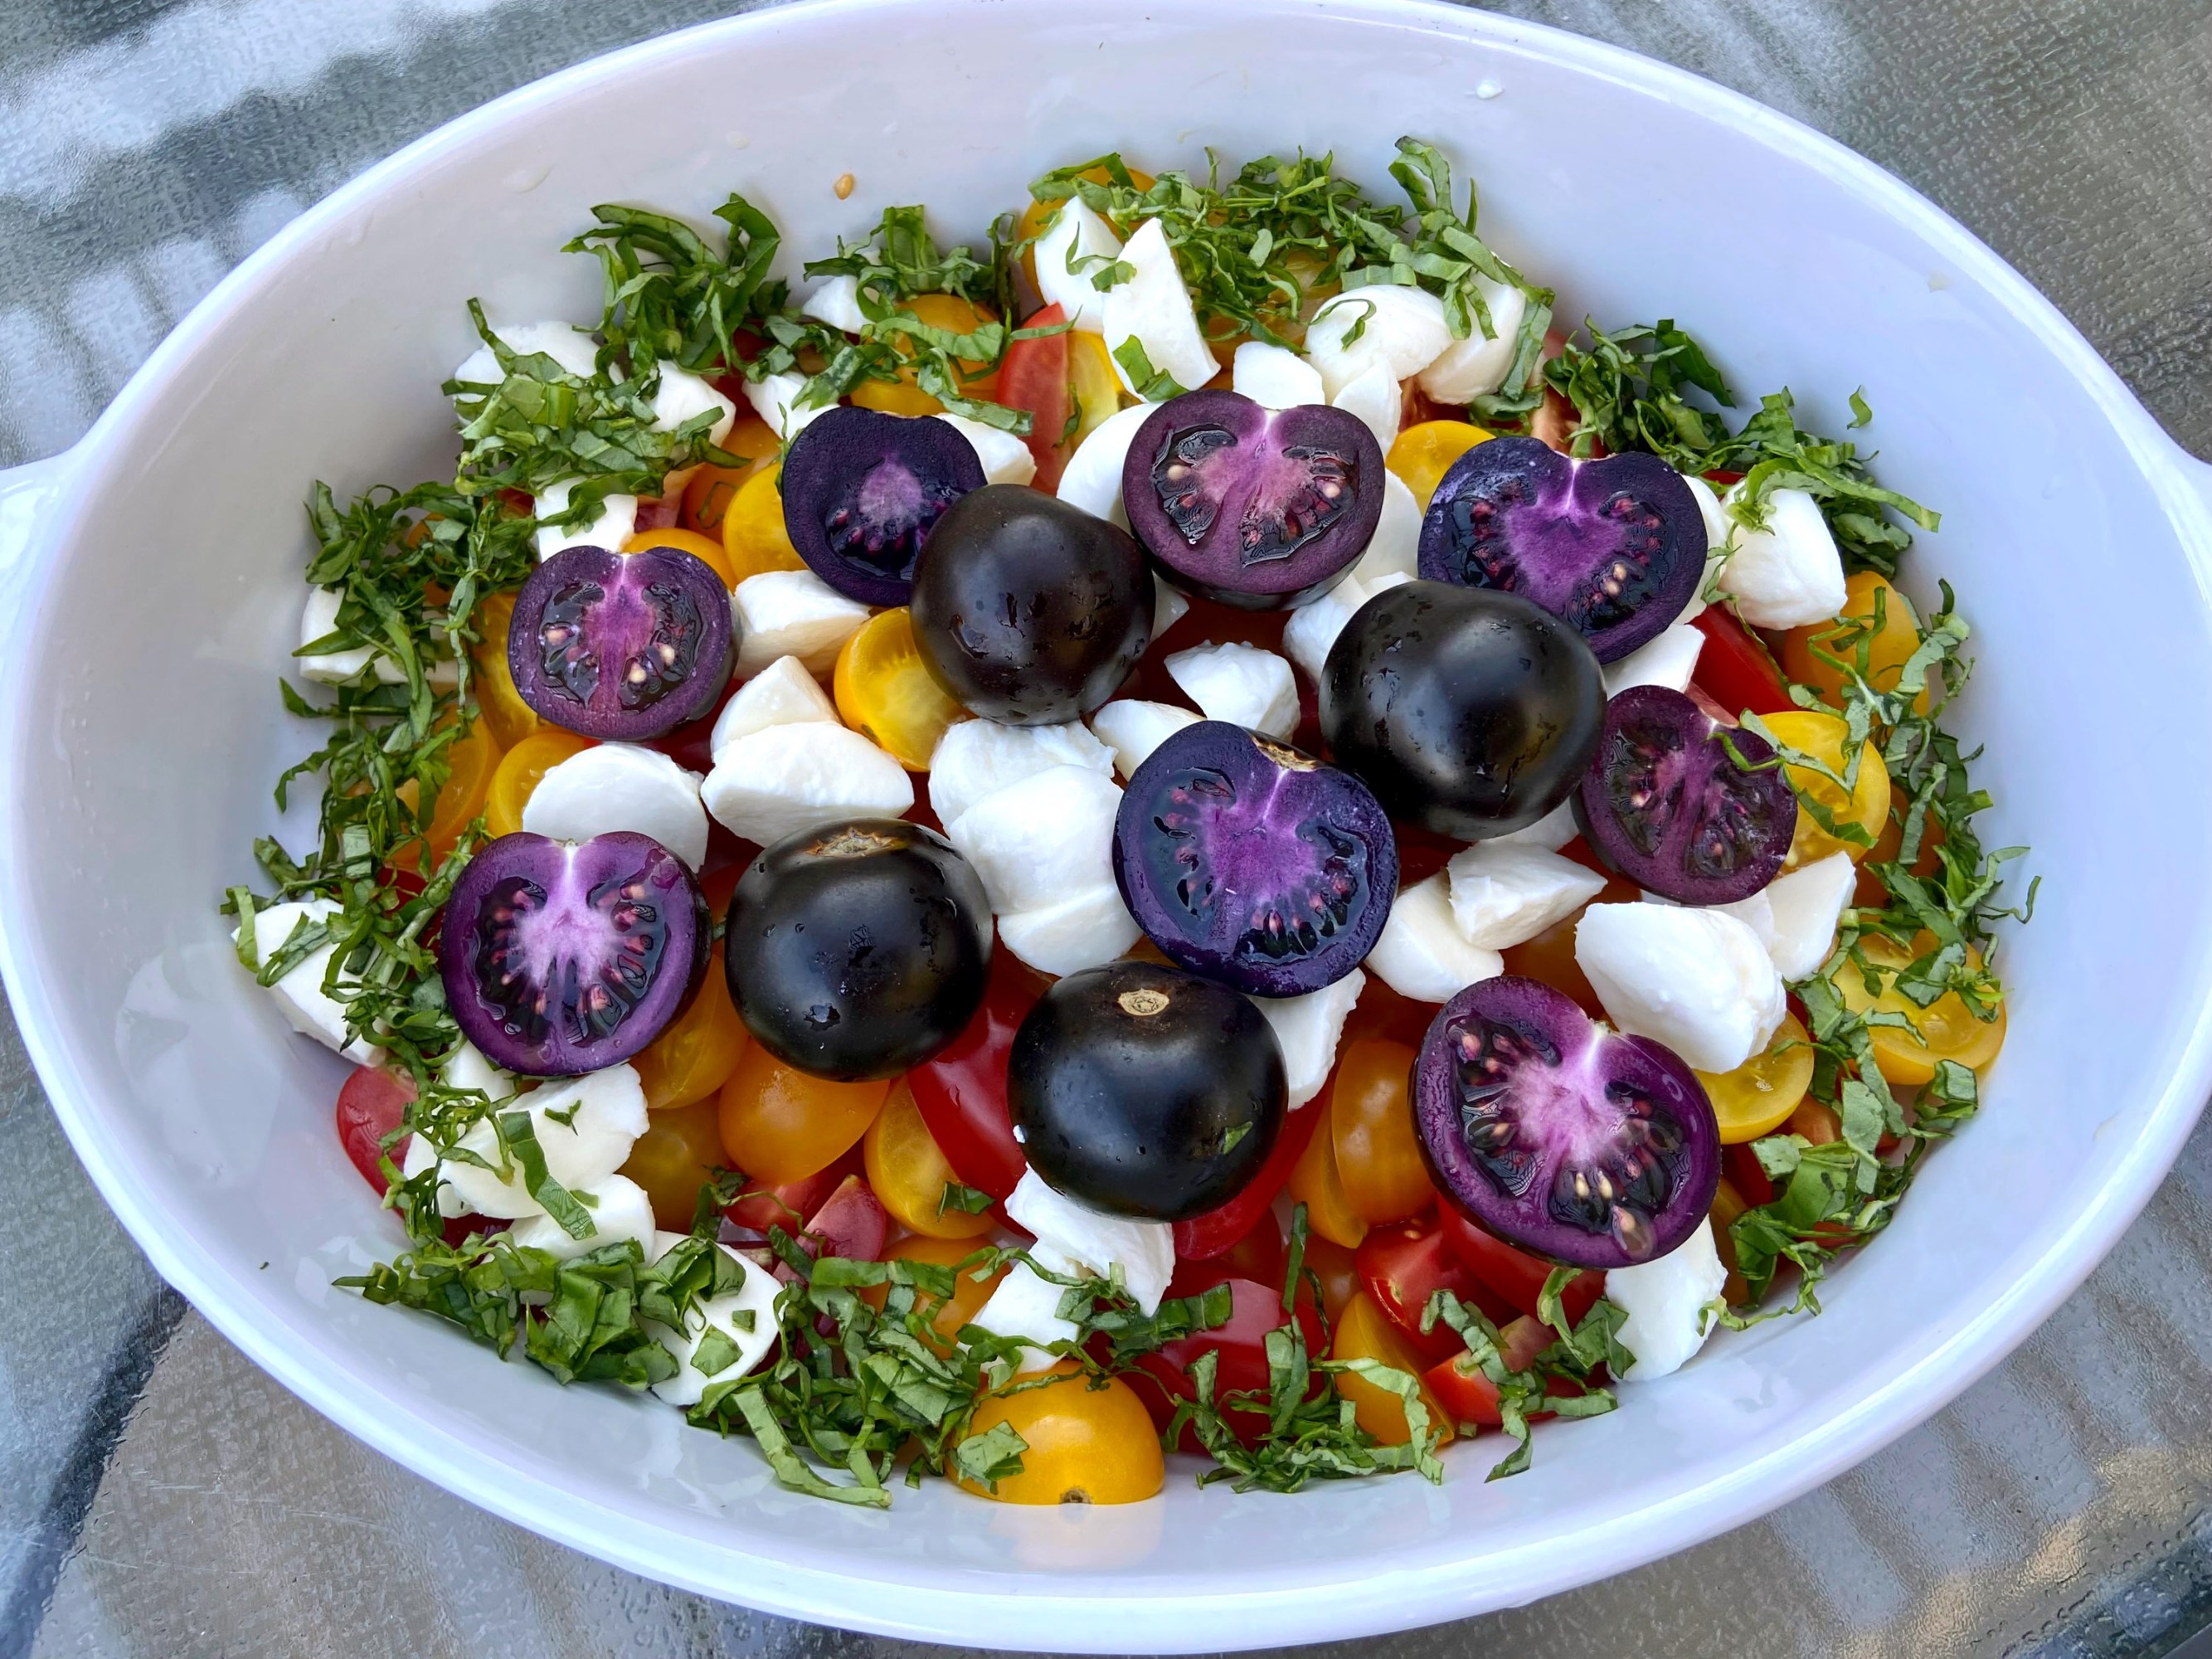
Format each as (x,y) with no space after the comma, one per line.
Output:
(1076,1614)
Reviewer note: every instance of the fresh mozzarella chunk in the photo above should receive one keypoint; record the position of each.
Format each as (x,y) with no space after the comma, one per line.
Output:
(791,613)
(1309,1028)
(420,1157)
(1394,550)
(467,1068)
(1803,907)
(1788,575)
(1027,1307)
(1313,626)
(1274,377)
(328,667)
(1133,729)
(565,344)
(783,779)
(752,1336)
(781,693)
(1550,832)
(1668,659)
(1422,954)
(1468,368)
(1153,307)
(1168,607)
(1669,1303)
(621,786)
(1505,896)
(1374,397)
(1143,1250)
(1402,329)
(1006,459)
(1092,928)
(585,1126)
(1697,981)
(775,398)
(977,758)
(619,1209)
(1036,842)
(299,992)
(683,396)
(835,300)
(1092,477)
(1718,525)
(1240,684)
(613,525)
(1077,236)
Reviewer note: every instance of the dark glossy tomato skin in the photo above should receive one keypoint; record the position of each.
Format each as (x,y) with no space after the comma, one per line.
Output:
(1163,1379)
(1402,1265)
(961,1089)
(370,1107)
(1735,670)
(1514,1274)
(1219,1231)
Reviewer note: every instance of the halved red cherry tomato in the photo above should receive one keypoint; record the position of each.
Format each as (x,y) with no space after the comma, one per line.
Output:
(1163,1378)
(1401,1266)
(1034,377)
(1258,1256)
(1460,1385)
(962,1089)
(1742,1167)
(1217,1232)
(371,1104)
(1735,670)
(1515,1275)
(761,1204)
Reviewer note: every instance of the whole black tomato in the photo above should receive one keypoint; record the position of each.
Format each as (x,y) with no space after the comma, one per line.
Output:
(857,951)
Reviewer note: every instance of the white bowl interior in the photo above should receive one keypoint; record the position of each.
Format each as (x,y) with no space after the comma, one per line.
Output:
(147,733)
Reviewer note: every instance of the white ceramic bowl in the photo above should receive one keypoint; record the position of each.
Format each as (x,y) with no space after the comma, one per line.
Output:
(159,589)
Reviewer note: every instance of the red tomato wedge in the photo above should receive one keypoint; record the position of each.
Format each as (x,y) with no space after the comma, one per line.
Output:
(1461,1388)
(1402,1265)
(370,1106)
(1219,1231)
(962,1089)
(1163,1379)
(1735,670)
(1514,1274)
(1034,377)
(851,1223)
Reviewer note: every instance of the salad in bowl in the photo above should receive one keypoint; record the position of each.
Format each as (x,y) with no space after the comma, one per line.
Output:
(1183,830)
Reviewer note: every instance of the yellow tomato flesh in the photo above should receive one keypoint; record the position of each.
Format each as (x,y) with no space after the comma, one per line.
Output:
(886,693)
(1947,1028)
(754,540)
(1086,1443)
(705,549)
(498,705)
(676,1156)
(519,772)
(1422,455)
(1316,1183)
(474,758)
(977,377)
(1365,1332)
(970,1293)
(1091,378)
(1886,642)
(1822,737)
(690,1061)
(910,1174)
(1757,1097)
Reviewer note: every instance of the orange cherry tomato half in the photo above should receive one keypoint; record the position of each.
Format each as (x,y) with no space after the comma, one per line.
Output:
(677,1155)
(1423,454)
(978,377)
(1759,1095)
(886,693)
(1378,1155)
(1875,632)
(1365,1332)
(1822,737)
(781,1124)
(705,549)
(519,772)
(970,1293)
(1089,1440)
(474,757)
(910,1176)
(1315,1183)
(694,1057)
(498,705)
(1337,1270)
(753,537)
(1947,1027)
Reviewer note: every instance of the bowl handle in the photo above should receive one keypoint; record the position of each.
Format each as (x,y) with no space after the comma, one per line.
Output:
(26,493)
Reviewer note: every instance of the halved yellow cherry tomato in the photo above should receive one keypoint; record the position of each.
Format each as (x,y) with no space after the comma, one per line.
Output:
(1370,1117)
(781,1124)
(705,549)
(474,757)
(1091,378)
(909,1174)
(1822,737)
(498,705)
(1086,1443)
(887,695)
(1365,1332)
(753,535)
(1422,455)
(902,395)
(1888,645)
(1728,1205)
(1036,215)
(1758,1095)
(1316,1183)
(691,1061)
(1948,1028)
(676,1156)
(969,1292)
(519,772)
(708,496)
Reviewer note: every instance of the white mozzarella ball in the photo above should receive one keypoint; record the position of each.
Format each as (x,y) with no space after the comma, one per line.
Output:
(1402,329)
(610,528)
(1376,399)
(328,667)
(683,396)
(1504,895)
(1313,626)
(1394,550)
(1309,1028)
(835,300)
(585,1126)
(620,785)
(1696,980)
(1240,684)
(1718,526)
(299,994)
(619,1210)
(1005,459)
(1036,842)
(415,1160)
(467,1068)
(1169,607)
(1670,1304)
(753,1337)
(1092,477)
(1026,1307)
(1153,307)
(1803,907)
(1076,237)
(565,344)
(791,613)
(1143,1250)
(1274,377)
(1133,728)
(1422,955)
(781,693)
(1091,928)
(1550,832)
(775,398)
(783,779)
(1668,659)
(1472,367)
(977,758)
(1788,575)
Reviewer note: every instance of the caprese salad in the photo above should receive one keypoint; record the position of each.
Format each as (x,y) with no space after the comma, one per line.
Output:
(1193,833)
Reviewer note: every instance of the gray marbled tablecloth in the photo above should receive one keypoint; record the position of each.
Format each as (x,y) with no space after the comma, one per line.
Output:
(159,1497)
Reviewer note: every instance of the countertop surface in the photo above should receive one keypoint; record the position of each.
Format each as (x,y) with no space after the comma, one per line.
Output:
(160,1497)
